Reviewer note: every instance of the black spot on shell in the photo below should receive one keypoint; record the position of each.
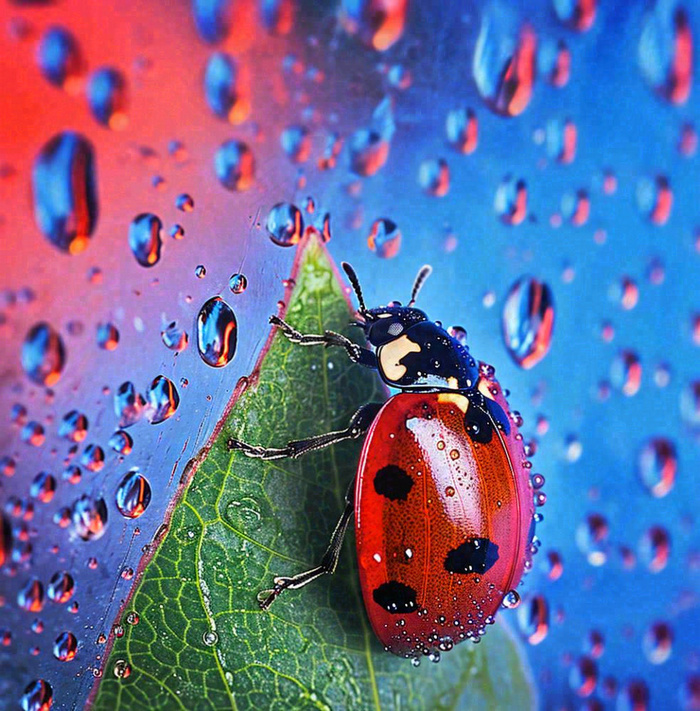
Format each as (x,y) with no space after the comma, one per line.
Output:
(396,598)
(393,482)
(477,422)
(475,555)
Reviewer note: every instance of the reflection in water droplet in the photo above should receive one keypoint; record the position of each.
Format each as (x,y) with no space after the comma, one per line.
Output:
(145,238)
(561,140)
(583,676)
(377,23)
(89,517)
(528,321)
(533,618)
(133,494)
(690,404)
(504,62)
(296,143)
(592,539)
(128,404)
(31,596)
(212,19)
(434,177)
(384,238)
(510,202)
(633,696)
(285,224)
(656,466)
(162,400)
(462,130)
(65,647)
(93,457)
(43,354)
(107,336)
(368,151)
(655,548)
(655,199)
(37,696)
(554,62)
(238,283)
(74,426)
(658,642)
(217,333)
(43,487)
(225,88)
(122,669)
(626,372)
(107,98)
(59,58)
(576,14)
(666,52)
(210,638)
(234,164)
(65,195)
(174,337)
(61,587)
(121,442)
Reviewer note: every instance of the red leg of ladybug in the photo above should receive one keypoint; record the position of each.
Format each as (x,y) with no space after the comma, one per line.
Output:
(357,354)
(328,564)
(359,424)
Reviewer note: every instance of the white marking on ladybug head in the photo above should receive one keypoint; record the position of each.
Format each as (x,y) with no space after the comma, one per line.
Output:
(391,354)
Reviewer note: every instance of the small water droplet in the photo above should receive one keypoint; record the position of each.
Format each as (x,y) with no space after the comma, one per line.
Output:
(377,23)
(145,239)
(210,638)
(285,225)
(37,696)
(296,143)
(43,355)
(128,404)
(59,57)
(61,587)
(234,164)
(65,647)
(43,487)
(434,177)
(107,98)
(89,517)
(107,336)
(533,618)
(462,130)
(122,669)
(217,333)
(226,88)
(510,202)
(384,238)
(31,596)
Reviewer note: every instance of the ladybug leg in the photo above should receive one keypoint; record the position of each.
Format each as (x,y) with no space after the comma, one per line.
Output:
(328,564)
(359,424)
(357,354)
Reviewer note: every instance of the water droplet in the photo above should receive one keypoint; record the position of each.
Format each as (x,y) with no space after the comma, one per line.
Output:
(31,596)
(555,565)
(285,224)
(377,23)
(504,62)
(37,696)
(162,400)
(59,58)
(122,669)
(200,271)
(74,426)
(449,491)
(210,638)
(576,14)
(462,130)
(561,140)
(655,548)
(226,88)
(89,517)
(633,696)
(510,202)
(212,19)
(107,98)
(184,202)
(61,587)
(656,465)
(592,539)
(528,321)
(43,487)
(65,647)
(128,404)
(33,433)
(666,52)
(533,618)
(238,283)
(93,458)
(626,372)
(690,404)
(133,494)
(177,232)
(655,199)
(511,600)
(43,355)
(217,333)
(107,336)
(65,195)
(384,238)
(296,143)
(174,337)
(554,63)
(583,676)
(133,618)
(658,642)
(234,164)
(434,177)
(145,239)
(121,442)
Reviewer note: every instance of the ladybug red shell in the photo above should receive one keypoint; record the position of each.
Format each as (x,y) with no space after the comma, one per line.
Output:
(442,522)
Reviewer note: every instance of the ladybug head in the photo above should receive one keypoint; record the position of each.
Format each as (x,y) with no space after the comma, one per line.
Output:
(386,323)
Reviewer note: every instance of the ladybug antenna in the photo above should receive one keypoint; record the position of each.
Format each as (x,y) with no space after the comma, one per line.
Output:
(355,285)
(422,275)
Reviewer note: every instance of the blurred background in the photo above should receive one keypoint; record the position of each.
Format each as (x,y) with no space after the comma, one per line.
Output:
(540,155)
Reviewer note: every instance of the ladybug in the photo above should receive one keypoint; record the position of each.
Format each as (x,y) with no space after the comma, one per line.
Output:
(442,500)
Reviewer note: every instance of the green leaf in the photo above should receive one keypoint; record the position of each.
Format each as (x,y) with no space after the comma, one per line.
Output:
(203,643)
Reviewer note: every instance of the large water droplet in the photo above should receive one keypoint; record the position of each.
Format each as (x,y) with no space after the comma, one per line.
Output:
(225,88)
(666,51)
(107,98)
(285,224)
(61,587)
(89,517)
(504,62)
(133,494)
(162,400)
(128,404)
(217,333)
(145,238)
(384,238)
(37,696)
(528,321)
(43,355)
(59,58)
(234,164)
(65,196)
(533,618)
(656,466)
(377,23)
(65,647)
